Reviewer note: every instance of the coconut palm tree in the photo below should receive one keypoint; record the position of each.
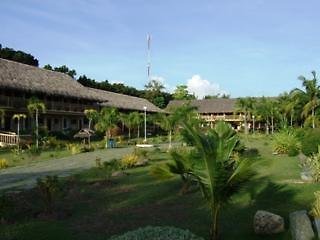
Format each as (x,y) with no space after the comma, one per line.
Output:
(267,109)
(35,106)
(18,117)
(137,119)
(92,115)
(129,123)
(310,97)
(246,107)
(220,177)
(107,119)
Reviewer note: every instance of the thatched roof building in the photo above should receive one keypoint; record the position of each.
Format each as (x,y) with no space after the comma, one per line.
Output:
(207,106)
(125,102)
(18,76)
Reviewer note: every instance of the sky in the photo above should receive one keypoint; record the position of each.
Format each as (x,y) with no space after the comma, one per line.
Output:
(236,47)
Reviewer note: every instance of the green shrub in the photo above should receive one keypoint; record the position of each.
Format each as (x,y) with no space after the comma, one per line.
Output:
(109,167)
(87,149)
(293,151)
(129,161)
(33,150)
(158,233)
(315,208)
(3,163)
(313,162)
(73,148)
(310,139)
(285,141)
(48,188)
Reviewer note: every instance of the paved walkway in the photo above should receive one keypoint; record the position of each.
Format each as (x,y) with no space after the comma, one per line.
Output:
(23,177)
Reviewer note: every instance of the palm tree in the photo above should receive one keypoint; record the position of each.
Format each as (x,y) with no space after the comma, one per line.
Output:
(310,97)
(34,107)
(266,108)
(137,119)
(92,115)
(220,177)
(245,106)
(129,122)
(18,117)
(107,119)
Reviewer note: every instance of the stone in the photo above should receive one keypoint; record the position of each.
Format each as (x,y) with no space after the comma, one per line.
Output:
(141,163)
(300,226)
(267,223)
(118,174)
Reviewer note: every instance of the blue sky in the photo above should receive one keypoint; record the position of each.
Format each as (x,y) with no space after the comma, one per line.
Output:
(241,47)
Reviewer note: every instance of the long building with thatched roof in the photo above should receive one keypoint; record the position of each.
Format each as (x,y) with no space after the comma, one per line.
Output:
(212,110)
(65,99)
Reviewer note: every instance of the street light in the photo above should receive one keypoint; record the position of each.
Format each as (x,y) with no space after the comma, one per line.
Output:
(145,124)
(253,117)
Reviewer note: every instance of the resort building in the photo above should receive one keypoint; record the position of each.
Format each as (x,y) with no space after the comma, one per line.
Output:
(65,99)
(212,110)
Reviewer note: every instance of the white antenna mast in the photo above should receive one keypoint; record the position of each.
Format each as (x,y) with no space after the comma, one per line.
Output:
(149,57)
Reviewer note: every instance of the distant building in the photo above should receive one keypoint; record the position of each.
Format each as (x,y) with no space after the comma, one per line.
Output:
(212,110)
(64,97)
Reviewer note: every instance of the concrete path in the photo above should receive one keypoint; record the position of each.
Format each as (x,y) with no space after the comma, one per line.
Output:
(23,177)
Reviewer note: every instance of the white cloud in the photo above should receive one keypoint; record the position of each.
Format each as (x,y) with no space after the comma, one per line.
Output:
(162,80)
(202,87)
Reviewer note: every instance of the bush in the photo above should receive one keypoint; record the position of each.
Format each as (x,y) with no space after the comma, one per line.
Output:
(3,163)
(158,233)
(109,167)
(53,143)
(33,150)
(315,210)
(313,163)
(129,161)
(310,139)
(87,149)
(73,148)
(285,141)
(48,188)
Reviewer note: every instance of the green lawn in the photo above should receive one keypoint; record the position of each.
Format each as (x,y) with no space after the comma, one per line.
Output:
(97,210)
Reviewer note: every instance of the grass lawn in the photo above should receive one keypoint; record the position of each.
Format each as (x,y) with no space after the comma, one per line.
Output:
(97,210)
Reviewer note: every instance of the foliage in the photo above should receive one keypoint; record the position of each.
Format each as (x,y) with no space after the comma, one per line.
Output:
(48,188)
(109,167)
(285,142)
(157,233)
(309,141)
(315,209)
(73,148)
(181,93)
(313,162)
(52,142)
(129,161)
(246,107)
(107,119)
(219,176)
(33,150)
(182,164)
(18,56)
(63,69)
(3,163)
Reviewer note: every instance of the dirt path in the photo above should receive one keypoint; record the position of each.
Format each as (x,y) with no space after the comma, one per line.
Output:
(23,177)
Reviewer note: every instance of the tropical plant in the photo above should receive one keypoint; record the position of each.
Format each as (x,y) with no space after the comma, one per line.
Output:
(18,117)
(285,142)
(92,115)
(137,119)
(3,163)
(181,164)
(48,188)
(107,119)
(109,167)
(313,162)
(220,176)
(310,97)
(157,233)
(315,208)
(35,106)
(129,161)
(246,107)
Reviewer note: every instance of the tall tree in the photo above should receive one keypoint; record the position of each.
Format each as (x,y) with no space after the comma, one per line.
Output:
(107,119)
(154,93)
(35,106)
(181,93)
(246,107)
(18,56)
(18,117)
(137,119)
(310,97)
(92,115)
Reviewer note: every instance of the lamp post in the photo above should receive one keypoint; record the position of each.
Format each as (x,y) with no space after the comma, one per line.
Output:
(145,124)
(253,117)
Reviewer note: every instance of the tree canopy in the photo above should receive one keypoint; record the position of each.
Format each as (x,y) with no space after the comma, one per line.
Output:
(18,56)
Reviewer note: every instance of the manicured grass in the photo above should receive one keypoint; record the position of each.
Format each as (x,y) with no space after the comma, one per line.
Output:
(100,210)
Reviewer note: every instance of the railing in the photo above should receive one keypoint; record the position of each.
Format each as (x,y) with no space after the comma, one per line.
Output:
(222,118)
(9,139)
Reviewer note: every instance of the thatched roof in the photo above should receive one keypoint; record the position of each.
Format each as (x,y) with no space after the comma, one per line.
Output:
(18,76)
(122,101)
(218,105)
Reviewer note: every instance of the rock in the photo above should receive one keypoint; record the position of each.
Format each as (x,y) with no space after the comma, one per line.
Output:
(300,226)
(267,223)
(141,163)
(119,174)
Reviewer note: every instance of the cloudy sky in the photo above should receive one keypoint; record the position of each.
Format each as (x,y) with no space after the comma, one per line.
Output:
(239,47)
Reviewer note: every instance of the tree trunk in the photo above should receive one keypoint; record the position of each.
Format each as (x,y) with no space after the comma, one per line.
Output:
(170,138)
(138,132)
(18,132)
(245,125)
(89,142)
(291,119)
(214,229)
(129,133)
(272,125)
(37,130)
(313,123)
